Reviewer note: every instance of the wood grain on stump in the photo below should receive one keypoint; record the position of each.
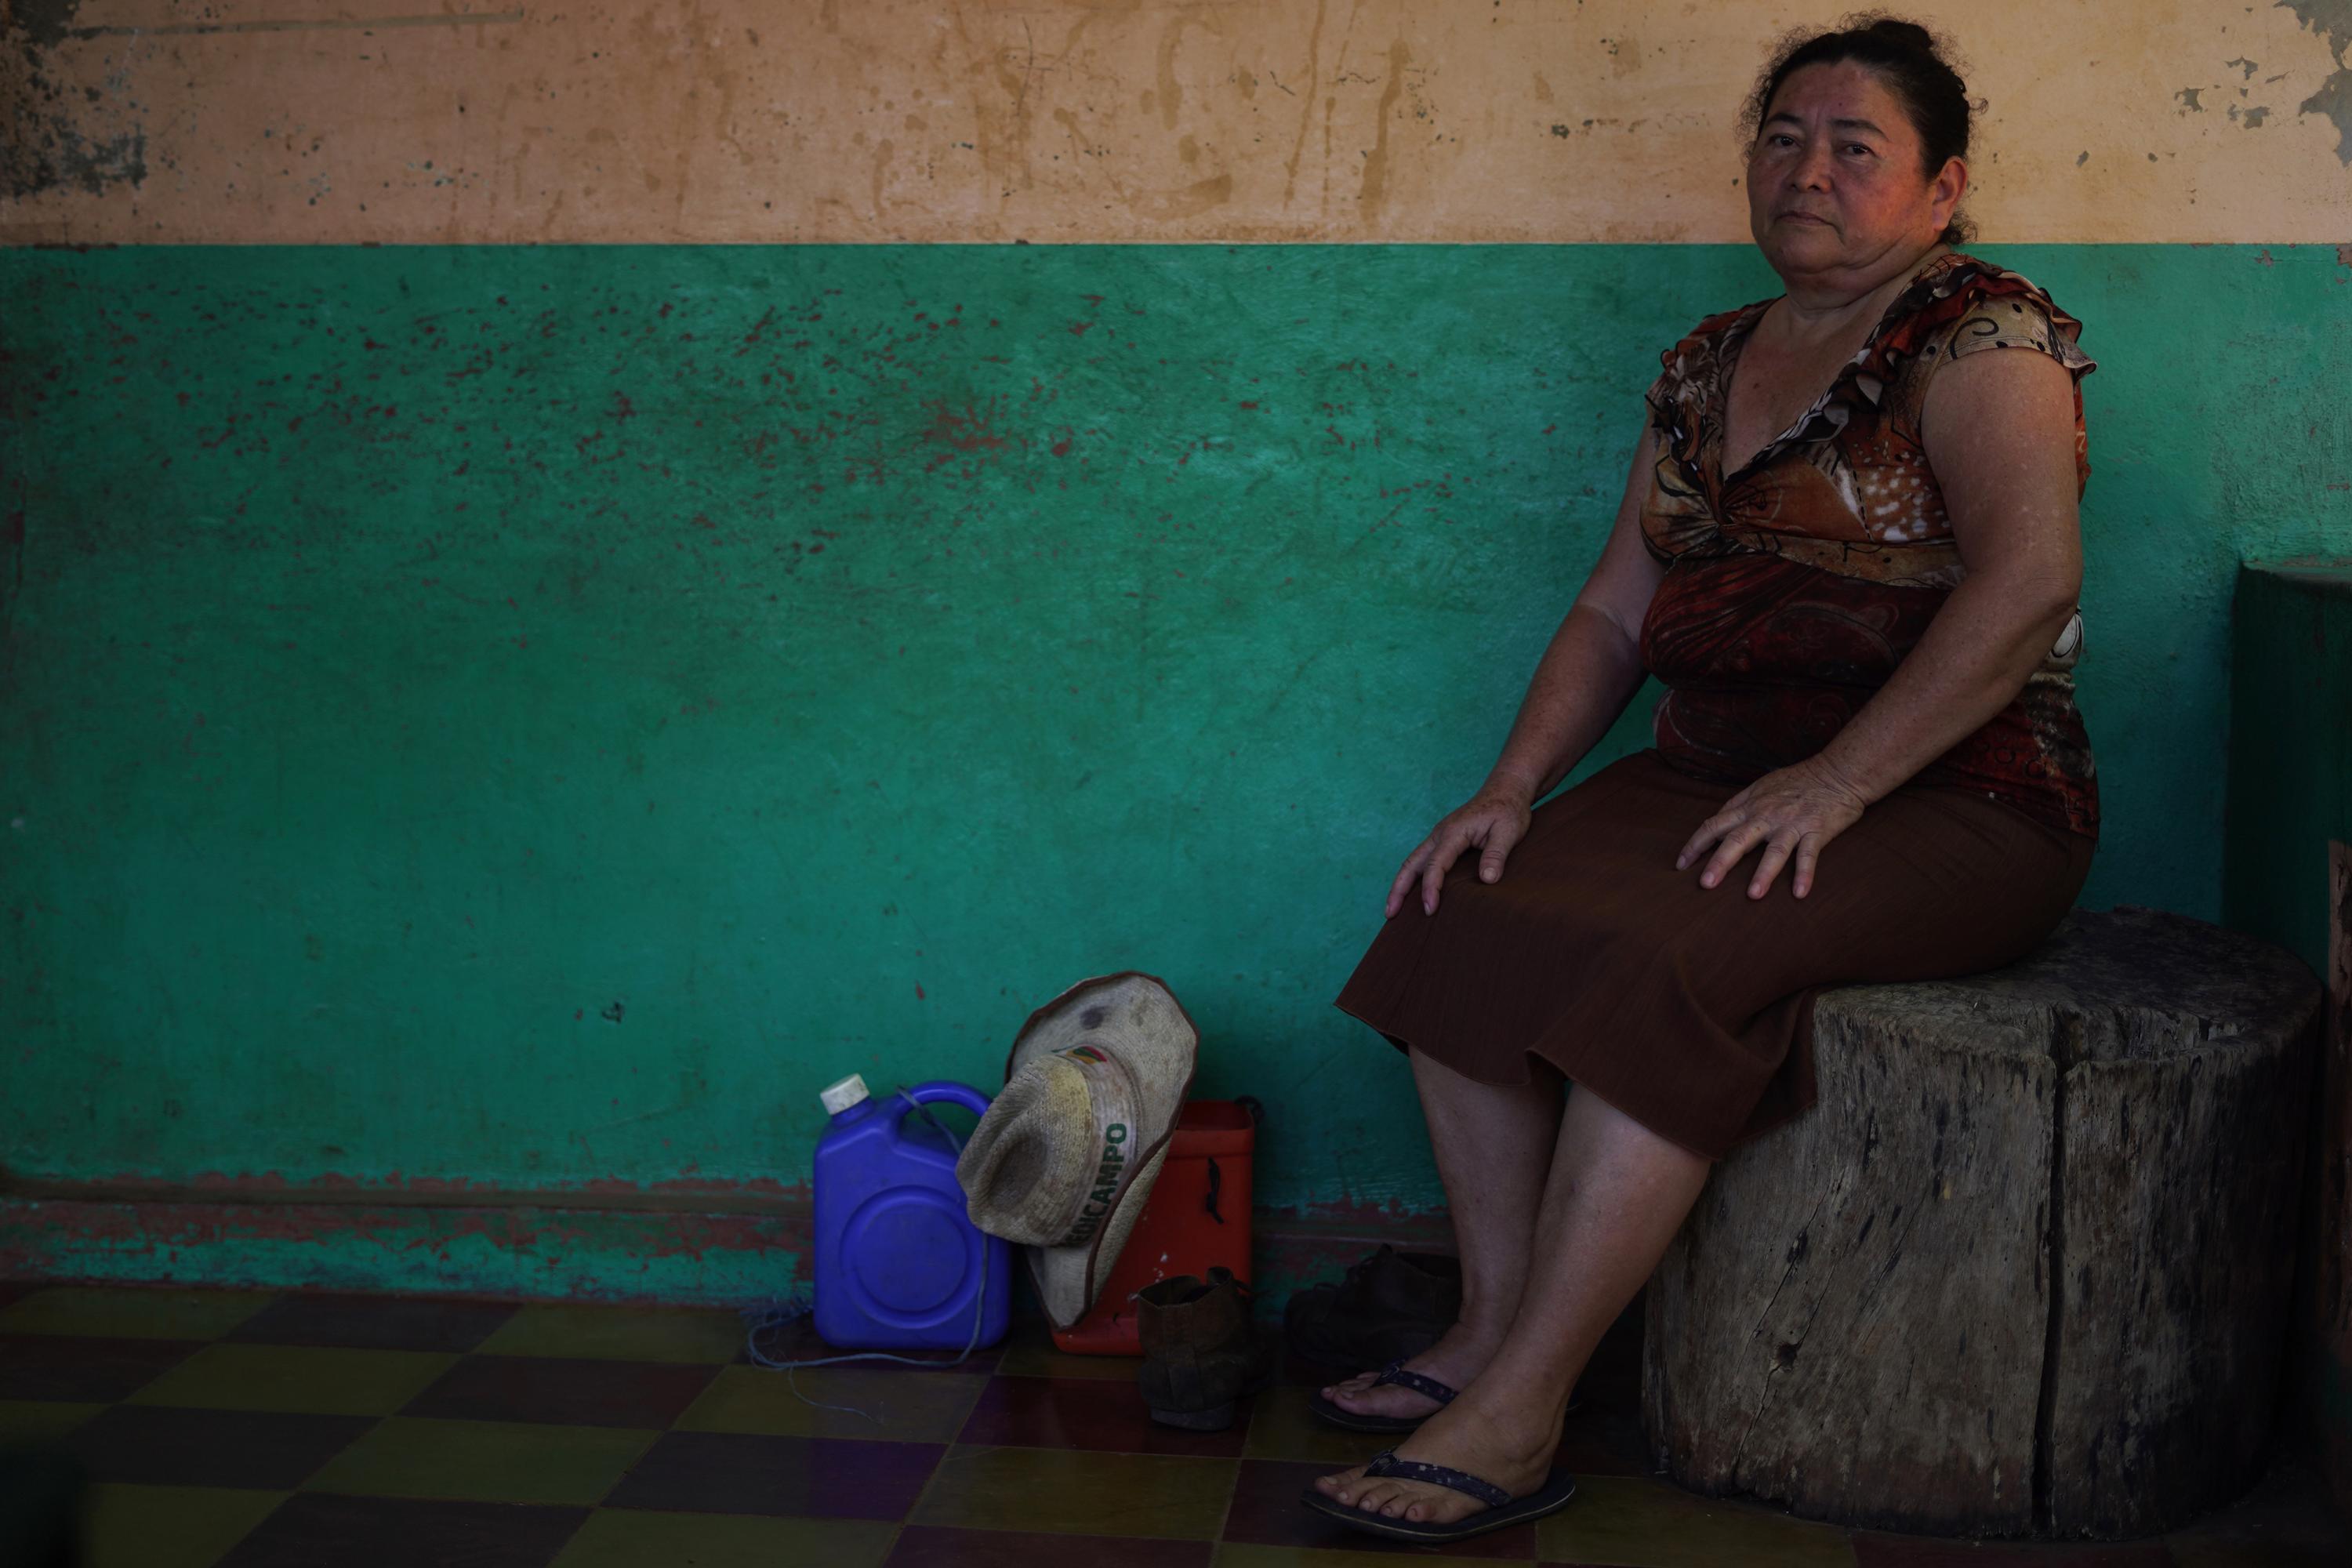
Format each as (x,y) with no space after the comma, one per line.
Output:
(2024,1269)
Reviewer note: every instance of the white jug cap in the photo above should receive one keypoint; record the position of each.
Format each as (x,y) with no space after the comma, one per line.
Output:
(841,1096)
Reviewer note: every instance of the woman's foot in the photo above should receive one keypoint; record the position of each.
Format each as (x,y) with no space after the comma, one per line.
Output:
(1455,1361)
(1509,1446)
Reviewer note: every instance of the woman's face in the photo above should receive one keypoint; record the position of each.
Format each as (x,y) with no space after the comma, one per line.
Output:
(1833,181)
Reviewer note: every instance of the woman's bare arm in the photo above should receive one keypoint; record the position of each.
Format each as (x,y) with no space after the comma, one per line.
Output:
(1589,673)
(2000,431)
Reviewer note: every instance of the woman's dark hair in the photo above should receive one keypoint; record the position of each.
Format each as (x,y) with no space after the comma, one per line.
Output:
(1911,61)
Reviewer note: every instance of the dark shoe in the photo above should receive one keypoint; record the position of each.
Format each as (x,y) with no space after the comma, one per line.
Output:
(1391,1307)
(1200,1354)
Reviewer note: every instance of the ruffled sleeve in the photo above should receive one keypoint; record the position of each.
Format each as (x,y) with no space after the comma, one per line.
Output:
(2023,319)
(1972,308)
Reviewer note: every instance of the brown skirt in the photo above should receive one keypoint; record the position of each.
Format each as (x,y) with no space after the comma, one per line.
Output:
(1690,1009)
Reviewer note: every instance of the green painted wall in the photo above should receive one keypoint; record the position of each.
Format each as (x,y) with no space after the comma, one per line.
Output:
(533,716)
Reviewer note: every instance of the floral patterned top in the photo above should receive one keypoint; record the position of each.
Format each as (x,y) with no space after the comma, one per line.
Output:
(1796,585)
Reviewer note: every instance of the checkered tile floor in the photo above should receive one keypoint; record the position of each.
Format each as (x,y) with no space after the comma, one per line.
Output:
(223,1428)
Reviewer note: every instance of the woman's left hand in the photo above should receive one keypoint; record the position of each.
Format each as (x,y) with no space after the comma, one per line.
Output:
(1792,813)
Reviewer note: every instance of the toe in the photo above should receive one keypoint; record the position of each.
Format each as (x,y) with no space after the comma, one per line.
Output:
(1337,1484)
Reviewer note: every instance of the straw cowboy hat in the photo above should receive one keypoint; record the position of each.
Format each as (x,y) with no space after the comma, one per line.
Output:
(1066,1155)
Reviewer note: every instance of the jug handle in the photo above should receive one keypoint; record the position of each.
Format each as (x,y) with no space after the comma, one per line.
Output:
(940,1092)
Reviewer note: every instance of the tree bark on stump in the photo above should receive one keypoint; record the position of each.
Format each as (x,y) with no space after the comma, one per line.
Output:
(2024,1269)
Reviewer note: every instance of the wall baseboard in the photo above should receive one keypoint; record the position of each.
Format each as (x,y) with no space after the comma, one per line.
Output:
(703,1244)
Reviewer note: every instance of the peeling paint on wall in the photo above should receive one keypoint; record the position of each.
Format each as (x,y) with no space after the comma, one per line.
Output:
(52,137)
(2331,20)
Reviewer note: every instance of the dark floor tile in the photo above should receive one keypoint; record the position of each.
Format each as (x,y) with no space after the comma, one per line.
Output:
(797,1341)
(1874,1550)
(1081,1413)
(163,1445)
(649,1538)
(374,1323)
(2210,1551)
(397,1532)
(68,1366)
(932,1546)
(572,1393)
(2286,1520)
(1267,1512)
(821,1478)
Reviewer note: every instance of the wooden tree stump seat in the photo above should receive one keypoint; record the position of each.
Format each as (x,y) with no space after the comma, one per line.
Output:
(2024,1269)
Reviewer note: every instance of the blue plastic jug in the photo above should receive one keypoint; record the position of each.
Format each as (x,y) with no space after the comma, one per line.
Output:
(899,1265)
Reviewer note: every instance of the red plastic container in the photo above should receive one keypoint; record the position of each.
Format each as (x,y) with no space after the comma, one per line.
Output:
(1197,1218)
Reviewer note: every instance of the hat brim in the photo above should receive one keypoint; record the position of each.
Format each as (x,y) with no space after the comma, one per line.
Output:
(1139,1019)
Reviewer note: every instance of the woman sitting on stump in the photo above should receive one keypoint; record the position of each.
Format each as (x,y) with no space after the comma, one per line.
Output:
(1848,548)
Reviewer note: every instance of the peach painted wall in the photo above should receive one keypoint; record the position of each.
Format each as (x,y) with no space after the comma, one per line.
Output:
(874,121)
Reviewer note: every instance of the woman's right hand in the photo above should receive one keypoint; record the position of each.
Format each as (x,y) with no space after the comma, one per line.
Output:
(1495,819)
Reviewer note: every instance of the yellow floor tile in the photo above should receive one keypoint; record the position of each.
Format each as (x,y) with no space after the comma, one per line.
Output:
(1626,1522)
(301,1379)
(1031,1352)
(1283,1427)
(620,1333)
(168,1527)
(1231,1554)
(906,1407)
(1072,1492)
(625,1538)
(121,1313)
(41,1420)
(484,1461)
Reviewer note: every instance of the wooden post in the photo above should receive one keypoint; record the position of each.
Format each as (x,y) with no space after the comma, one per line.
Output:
(2332,1225)
(2025,1269)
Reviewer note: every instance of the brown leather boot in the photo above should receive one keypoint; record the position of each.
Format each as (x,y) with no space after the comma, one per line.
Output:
(1200,1353)
(1391,1307)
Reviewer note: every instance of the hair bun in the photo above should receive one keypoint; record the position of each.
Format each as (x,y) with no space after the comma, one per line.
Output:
(1909,34)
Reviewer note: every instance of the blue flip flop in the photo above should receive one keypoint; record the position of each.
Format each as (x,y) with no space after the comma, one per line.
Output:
(1502,1508)
(1394,1373)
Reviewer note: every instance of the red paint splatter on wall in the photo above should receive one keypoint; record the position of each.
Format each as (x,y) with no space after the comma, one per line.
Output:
(972,428)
